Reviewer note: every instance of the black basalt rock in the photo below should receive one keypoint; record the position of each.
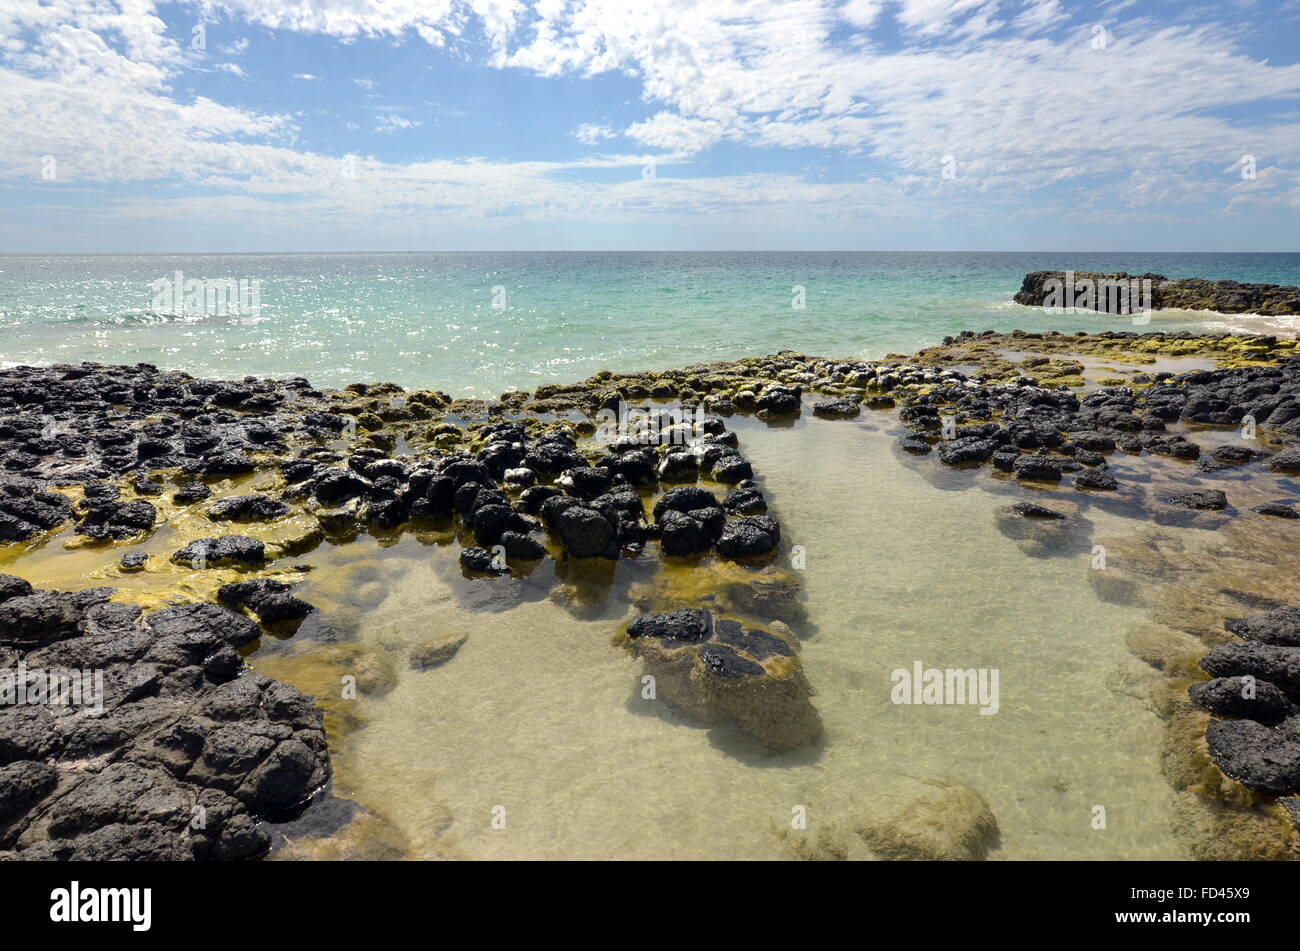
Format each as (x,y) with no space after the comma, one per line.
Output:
(247,508)
(225,550)
(723,661)
(268,598)
(480,560)
(336,486)
(1279,627)
(1258,756)
(749,537)
(586,532)
(1241,697)
(1277,664)
(687,626)
(837,409)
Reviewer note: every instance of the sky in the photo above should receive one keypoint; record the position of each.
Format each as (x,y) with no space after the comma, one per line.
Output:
(393,125)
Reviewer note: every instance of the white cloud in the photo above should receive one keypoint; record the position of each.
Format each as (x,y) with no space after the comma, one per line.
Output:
(590,134)
(1039,13)
(232,68)
(1023,104)
(432,20)
(387,124)
(89,87)
(1013,90)
(929,17)
(668,130)
(862,13)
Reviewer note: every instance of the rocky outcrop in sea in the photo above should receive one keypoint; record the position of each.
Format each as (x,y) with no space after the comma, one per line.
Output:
(1081,289)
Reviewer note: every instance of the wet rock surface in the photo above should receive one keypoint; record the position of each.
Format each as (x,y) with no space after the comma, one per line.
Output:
(1256,689)
(169,750)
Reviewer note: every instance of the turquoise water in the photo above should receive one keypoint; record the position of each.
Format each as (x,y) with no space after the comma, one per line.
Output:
(429,320)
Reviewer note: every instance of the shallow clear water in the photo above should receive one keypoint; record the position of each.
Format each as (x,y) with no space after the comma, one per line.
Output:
(540,713)
(429,320)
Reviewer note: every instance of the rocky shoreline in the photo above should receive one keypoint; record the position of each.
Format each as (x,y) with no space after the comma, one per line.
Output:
(1044,288)
(104,456)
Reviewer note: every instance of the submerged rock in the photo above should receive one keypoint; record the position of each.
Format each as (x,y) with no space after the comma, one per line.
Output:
(713,668)
(1200,499)
(1276,509)
(1034,510)
(429,656)
(945,823)
(1040,531)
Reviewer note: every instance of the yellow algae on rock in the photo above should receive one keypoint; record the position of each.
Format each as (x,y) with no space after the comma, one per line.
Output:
(713,668)
(294,535)
(339,677)
(945,822)
(1174,652)
(368,837)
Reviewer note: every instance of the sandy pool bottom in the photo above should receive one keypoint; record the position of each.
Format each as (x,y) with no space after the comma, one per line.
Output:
(534,741)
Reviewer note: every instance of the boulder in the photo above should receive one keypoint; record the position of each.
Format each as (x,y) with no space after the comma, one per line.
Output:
(1258,756)
(224,550)
(247,508)
(1278,665)
(1240,697)
(1280,627)
(749,537)
(1199,499)
(268,598)
(117,520)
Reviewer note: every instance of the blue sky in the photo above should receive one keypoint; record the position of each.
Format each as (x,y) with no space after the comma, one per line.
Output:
(265,125)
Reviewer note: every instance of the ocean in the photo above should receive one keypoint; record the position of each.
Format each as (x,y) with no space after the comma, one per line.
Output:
(478,324)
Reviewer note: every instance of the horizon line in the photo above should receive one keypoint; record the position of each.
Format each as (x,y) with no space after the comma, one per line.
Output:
(179,254)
